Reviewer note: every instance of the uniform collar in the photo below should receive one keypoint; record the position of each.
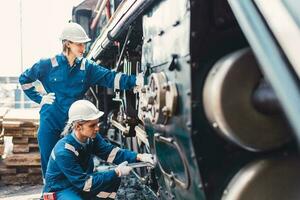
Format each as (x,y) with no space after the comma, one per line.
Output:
(65,60)
(78,141)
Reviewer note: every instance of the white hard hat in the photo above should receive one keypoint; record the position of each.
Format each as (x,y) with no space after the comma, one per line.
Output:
(83,110)
(74,33)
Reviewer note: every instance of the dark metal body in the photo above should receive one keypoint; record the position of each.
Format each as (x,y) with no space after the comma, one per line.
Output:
(210,111)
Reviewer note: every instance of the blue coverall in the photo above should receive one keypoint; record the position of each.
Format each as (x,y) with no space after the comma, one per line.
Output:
(69,84)
(70,168)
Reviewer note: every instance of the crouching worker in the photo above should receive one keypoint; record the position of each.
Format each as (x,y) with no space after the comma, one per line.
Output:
(70,168)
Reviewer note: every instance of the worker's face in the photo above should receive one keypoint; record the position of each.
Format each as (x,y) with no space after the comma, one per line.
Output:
(90,128)
(77,49)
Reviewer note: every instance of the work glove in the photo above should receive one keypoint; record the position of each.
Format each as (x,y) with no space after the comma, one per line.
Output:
(48,99)
(146,157)
(139,83)
(122,169)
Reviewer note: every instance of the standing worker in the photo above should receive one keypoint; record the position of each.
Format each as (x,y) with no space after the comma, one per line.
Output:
(66,78)
(70,169)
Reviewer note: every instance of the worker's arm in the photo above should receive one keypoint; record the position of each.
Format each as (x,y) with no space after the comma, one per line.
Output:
(94,183)
(98,75)
(27,78)
(111,153)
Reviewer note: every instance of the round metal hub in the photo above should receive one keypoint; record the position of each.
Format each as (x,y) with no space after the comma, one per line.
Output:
(228,104)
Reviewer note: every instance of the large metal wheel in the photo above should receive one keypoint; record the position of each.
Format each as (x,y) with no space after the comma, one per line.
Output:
(228,105)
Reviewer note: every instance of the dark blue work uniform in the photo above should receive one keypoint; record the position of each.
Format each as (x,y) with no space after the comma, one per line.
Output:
(69,84)
(70,168)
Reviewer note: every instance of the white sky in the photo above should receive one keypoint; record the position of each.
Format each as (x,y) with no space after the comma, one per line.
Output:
(42,22)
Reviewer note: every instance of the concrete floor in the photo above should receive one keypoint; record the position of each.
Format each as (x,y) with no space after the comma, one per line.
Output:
(25,192)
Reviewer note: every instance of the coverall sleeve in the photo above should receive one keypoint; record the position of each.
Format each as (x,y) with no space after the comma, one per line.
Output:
(26,80)
(111,153)
(92,183)
(99,75)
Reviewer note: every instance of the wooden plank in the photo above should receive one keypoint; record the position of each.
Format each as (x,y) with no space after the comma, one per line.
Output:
(22,115)
(34,170)
(25,148)
(20,179)
(1,149)
(24,159)
(18,124)
(21,132)
(25,140)
(33,140)
(6,170)
(20,148)
(20,140)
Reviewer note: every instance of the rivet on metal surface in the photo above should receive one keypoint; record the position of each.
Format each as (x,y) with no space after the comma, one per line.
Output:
(225,192)
(188,92)
(172,196)
(166,86)
(194,65)
(194,34)
(215,125)
(189,124)
(195,105)
(143,90)
(144,108)
(220,21)
(176,23)
(165,110)
(161,33)
(193,3)
(193,155)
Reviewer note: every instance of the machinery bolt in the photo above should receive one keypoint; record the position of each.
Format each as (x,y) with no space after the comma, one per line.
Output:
(165,110)
(144,108)
(151,100)
(143,90)
(215,125)
(166,86)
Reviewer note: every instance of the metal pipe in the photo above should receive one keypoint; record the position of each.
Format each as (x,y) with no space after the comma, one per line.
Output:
(123,48)
(125,14)
(99,12)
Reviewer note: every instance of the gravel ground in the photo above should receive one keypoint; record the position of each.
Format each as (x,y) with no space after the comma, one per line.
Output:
(130,189)
(25,192)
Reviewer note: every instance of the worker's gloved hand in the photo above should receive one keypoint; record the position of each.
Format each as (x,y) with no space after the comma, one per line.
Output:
(146,157)
(122,169)
(48,99)
(139,82)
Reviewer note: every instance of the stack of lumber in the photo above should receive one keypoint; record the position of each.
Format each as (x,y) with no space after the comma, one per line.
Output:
(23,165)
(3,111)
